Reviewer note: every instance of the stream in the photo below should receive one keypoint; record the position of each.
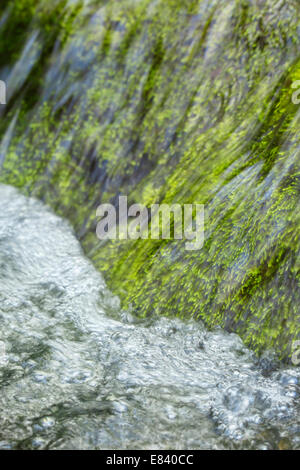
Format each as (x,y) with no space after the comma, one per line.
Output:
(77,372)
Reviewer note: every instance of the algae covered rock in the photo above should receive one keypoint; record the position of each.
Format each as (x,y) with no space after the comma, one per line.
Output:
(167,102)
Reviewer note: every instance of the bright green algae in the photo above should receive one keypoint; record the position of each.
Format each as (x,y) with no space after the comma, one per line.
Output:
(168,102)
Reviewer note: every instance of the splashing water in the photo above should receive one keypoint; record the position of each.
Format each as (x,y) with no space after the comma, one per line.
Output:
(77,372)
(167,102)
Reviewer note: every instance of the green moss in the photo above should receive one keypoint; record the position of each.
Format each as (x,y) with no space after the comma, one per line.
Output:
(172,102)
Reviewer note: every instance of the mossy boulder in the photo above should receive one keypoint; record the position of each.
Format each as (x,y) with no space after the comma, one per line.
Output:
(167,102)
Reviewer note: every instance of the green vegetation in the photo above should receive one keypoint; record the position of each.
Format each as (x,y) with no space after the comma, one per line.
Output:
(169,102)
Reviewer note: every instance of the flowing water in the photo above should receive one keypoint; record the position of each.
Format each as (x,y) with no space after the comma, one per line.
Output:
(168,102)
(78,372)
